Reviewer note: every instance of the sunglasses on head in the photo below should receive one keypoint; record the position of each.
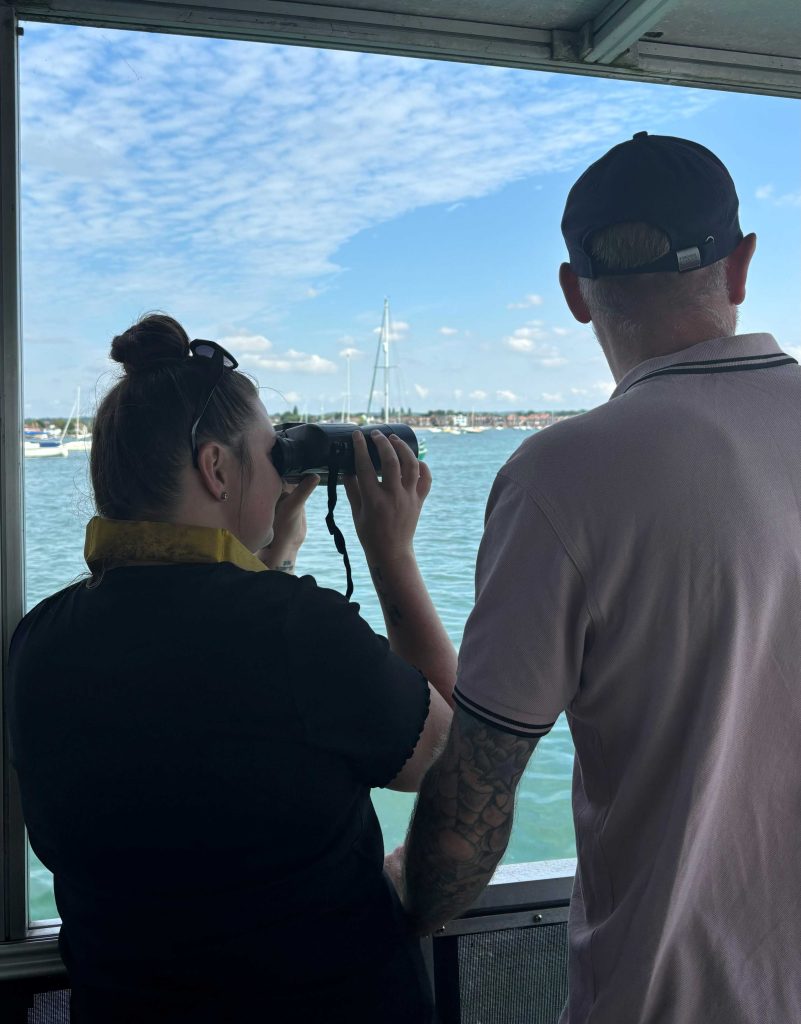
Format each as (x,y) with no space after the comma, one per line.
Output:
(216,360)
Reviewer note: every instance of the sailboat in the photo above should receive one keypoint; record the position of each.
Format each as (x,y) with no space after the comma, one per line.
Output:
(44,448)
(81,439)
(384,339)
(48,446)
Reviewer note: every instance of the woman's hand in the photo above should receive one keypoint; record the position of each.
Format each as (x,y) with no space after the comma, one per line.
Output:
(289,525)
(385,512)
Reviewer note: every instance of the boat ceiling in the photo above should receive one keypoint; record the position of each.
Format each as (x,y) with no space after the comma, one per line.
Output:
(738,45)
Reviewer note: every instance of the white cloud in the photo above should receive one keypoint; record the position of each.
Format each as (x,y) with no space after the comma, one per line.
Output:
(349,353)
(605,387)
(793,350)
(529,300)
(507,396)
(397,329)
(244,343)
(528,340)
(553,396)
(579,391)
(221,174)
(292,362)
(479,395)
(561,331)
(220,180)
(448,330)
(768,192)
(421,391)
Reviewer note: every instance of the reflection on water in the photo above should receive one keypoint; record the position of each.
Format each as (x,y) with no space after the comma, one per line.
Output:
(58,504)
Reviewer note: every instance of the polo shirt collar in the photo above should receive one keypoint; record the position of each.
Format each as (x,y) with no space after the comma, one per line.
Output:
(110,541)
(740,350)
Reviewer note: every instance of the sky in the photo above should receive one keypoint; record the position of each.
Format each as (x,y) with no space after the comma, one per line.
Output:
(271,197)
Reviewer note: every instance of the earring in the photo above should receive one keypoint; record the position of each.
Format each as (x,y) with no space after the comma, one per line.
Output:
(224,496)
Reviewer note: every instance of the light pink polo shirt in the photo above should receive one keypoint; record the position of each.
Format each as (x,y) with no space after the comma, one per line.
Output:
(641,570)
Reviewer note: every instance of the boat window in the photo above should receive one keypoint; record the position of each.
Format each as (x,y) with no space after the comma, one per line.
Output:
(272,198)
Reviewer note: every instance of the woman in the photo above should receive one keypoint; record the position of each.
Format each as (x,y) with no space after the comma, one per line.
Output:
(196,737)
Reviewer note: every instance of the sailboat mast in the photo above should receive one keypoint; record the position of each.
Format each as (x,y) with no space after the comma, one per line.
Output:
(385,333)
(347,393)
(383,343)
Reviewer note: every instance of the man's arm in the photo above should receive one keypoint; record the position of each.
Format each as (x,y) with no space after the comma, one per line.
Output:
(462,820)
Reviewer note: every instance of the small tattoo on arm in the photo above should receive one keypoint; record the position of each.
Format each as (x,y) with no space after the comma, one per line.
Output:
(286,566)
(463,819)
(391,610)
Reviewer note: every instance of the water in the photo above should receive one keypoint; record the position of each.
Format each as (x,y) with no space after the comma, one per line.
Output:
(58,505)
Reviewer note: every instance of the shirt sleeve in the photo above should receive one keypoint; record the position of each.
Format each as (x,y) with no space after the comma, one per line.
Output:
(521,656)
(355,696)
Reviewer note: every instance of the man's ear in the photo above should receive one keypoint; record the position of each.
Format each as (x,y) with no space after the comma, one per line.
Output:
(572,293)
(737,268)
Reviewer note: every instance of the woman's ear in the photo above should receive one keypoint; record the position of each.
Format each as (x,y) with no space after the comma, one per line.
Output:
(572,293)
(213,464)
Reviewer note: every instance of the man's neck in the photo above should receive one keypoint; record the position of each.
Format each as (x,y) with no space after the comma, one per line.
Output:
(624,353)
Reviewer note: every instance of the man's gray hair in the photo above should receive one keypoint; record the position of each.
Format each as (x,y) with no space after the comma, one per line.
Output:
(629,305)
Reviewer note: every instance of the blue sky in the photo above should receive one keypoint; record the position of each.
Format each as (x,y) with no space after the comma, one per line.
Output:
(270,197)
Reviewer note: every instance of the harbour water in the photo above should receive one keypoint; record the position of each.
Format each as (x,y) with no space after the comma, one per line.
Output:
(58,505)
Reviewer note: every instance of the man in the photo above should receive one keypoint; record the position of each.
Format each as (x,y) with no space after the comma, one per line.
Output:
(641,570)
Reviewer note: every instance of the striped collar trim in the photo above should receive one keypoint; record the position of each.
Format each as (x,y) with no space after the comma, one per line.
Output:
(115,541)
(719,355)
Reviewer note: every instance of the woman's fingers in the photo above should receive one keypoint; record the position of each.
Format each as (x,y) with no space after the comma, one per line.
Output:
(365,471)
(353,491)
(410,471)
(306,486)
(424,481)
(390,466)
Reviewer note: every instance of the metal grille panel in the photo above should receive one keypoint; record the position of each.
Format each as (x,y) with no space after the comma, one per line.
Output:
(50,1008)
(513,976)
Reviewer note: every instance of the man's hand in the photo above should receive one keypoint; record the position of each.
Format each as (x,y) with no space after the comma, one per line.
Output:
(462,820)
(393,865)
(289,525)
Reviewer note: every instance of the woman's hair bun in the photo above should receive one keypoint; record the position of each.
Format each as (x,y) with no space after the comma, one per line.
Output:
(155,338)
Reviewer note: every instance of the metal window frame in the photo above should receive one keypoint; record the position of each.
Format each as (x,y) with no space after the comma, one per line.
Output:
(13,851)
(594,49)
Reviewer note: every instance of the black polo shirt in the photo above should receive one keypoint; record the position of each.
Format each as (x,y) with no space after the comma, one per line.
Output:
(196,746)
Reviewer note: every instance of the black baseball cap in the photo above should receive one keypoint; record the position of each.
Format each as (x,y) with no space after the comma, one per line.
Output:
(670,183)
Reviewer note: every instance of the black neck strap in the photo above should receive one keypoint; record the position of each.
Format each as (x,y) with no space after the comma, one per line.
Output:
(333,529)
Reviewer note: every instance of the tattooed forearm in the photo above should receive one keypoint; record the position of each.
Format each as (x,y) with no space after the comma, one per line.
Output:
(287,565)
(391,611)
(462,821)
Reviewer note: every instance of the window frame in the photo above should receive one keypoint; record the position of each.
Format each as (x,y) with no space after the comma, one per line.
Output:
(13,852)
(28,949)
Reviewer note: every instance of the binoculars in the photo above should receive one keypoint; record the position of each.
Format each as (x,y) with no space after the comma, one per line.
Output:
(302,448)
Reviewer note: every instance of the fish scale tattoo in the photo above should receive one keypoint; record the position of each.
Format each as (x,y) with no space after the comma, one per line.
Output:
(463,819)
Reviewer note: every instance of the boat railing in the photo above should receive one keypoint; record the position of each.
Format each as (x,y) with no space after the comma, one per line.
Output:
(505,959)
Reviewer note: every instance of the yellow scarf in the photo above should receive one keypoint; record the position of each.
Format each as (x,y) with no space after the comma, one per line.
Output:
(123,540)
